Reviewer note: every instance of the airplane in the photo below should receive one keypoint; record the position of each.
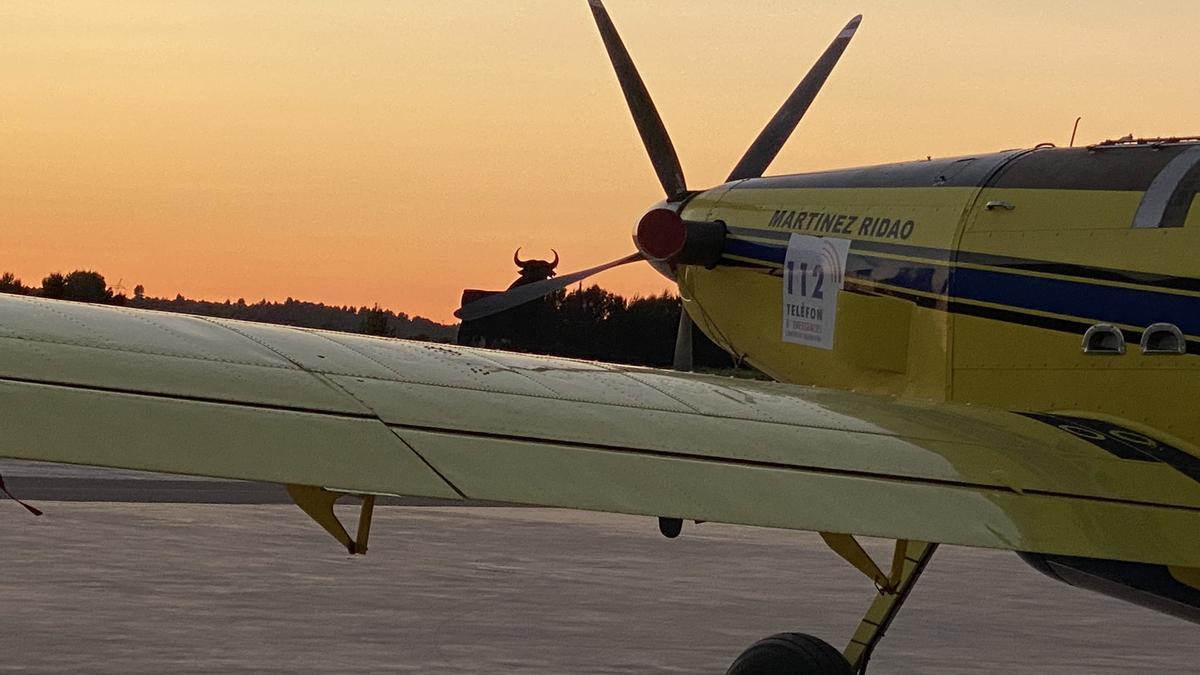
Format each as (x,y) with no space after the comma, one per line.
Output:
(997,350)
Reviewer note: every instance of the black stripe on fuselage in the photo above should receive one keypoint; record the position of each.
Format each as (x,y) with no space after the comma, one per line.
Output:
(1123,443)
(1147,279)
(1016,316)
(876,276)
(997,314)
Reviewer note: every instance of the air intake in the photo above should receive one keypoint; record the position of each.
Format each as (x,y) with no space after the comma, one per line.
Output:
(1163,338)
(1104,338)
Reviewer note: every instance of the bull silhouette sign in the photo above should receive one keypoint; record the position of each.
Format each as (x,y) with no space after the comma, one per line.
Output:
(516,326)
(531,271)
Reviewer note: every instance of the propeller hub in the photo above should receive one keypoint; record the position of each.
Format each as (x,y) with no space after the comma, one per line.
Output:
(663,236)
(660,234)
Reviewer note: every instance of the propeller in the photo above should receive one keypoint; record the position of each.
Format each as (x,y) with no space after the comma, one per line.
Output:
(645,115)
(494,304)
(771,139)
(662,236)
(682,361)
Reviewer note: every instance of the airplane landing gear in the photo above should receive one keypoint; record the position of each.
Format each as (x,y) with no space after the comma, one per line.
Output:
(790,653)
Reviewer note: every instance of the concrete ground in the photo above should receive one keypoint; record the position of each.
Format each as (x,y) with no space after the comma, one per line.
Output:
(126,587)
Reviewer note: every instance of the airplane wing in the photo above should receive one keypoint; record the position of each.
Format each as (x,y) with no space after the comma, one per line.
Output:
(128,388)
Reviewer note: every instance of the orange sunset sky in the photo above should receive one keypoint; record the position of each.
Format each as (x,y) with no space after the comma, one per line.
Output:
(397,152)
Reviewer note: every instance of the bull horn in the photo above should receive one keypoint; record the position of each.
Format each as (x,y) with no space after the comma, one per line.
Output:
(555,263)
(517,258)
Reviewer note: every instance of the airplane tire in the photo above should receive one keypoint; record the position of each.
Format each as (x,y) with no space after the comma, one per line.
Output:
(790,654)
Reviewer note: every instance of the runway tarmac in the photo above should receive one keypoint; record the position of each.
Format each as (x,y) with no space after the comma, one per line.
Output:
(118,587)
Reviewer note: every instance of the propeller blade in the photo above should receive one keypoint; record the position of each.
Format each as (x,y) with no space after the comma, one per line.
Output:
(769,142)
(645,116)
(494,304)
(683,342)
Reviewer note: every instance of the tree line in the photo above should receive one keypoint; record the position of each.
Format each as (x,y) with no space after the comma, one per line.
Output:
(80,286)
(592,323)
(586,323)
(90,286)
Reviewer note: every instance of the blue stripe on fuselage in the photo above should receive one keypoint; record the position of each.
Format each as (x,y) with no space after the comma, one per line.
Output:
(1077,298)
(1114,304)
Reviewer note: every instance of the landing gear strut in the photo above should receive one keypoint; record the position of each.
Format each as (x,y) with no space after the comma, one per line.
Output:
(792,653)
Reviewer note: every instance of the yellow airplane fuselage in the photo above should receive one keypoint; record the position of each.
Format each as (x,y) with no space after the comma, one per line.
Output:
(975,279)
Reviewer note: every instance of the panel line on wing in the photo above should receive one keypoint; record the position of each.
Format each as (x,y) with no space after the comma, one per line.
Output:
(779,466)
(125,349)
(319,377)
(190,399)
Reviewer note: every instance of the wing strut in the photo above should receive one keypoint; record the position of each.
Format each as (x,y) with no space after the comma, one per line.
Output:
(848,547)
(318,503)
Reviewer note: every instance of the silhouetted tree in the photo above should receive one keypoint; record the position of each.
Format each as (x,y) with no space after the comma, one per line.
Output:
(54,286)
(586,323)
(301,313)
(374,322)
(9,283)
(592,323)
(86,286)
(582,325)
(644,333)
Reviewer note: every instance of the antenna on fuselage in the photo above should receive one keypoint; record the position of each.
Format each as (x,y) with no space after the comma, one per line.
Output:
(1074,130)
